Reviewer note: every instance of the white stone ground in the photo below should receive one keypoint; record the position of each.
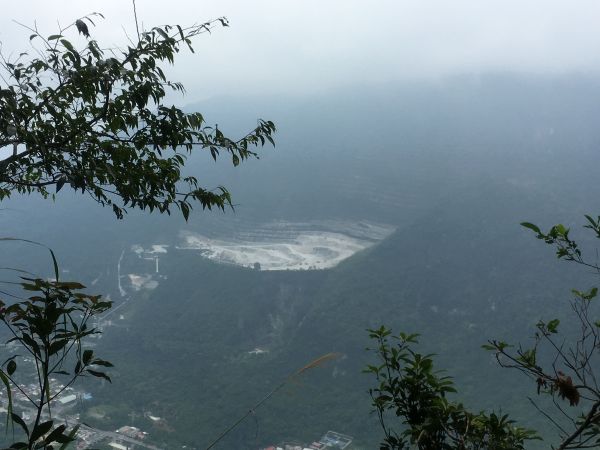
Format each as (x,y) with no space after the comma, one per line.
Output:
(138,282)
(300,250)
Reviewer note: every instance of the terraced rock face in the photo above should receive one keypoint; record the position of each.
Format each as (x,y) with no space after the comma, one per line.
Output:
(289,246)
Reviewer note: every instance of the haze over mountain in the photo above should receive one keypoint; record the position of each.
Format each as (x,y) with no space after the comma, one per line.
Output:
(304,47)
(413,137)
(448,169)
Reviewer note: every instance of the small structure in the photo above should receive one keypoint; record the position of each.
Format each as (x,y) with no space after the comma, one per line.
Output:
(258,351)
(330,441)
(67,399)
(132,432)
(335,440)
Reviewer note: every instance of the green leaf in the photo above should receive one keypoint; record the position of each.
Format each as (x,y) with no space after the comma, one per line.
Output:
(54,261)
(531,227)
(591,221)
(99,375)
(6,383)
(101,362)
(502,345)
(31,343)
(185,210)
(70,285)
(87,356)
(66,440)
(56,433)
(67,45)
(59,184)
(17,419)
(552,325)
(11,367)
(40,430)
(57,346)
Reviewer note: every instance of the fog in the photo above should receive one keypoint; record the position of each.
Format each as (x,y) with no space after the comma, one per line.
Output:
(304,46)
(413,137)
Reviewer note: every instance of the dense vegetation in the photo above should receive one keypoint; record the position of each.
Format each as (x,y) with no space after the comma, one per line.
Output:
(454,168)
(77,114)
(459,269)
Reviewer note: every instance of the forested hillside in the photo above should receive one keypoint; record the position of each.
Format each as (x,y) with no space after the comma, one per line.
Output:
(453,168)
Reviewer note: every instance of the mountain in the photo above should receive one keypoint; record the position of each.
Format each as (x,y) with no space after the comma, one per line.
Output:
(451,168)
(462,275)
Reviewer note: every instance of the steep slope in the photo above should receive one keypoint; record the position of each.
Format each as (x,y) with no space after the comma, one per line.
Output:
(463,274)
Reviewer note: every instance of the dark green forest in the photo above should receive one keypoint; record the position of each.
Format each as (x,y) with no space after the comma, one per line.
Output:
(454,167)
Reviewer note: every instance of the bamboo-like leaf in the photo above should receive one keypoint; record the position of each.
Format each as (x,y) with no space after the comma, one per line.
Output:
(69,438)
(40,430)
(6,383)
(54,261)
(17,419)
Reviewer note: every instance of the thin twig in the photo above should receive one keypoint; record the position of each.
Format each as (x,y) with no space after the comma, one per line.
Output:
(311,365)
(137,27)
(548,416)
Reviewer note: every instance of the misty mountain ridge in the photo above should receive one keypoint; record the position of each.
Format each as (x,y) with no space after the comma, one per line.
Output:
(449,168)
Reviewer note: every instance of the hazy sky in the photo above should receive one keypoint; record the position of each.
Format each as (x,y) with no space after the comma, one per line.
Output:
(301,46)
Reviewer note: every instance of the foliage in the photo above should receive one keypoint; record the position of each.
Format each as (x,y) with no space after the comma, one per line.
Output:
(314,310)
(409,387)
(459,255)
(50,326)
(95,119)
(563,364)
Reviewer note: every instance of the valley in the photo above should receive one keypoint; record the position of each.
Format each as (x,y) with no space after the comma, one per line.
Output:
(420,234)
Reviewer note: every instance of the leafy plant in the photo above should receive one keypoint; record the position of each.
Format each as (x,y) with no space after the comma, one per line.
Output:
(409,388)
(49,326)
(563,364)
(94,119)
(77,114)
